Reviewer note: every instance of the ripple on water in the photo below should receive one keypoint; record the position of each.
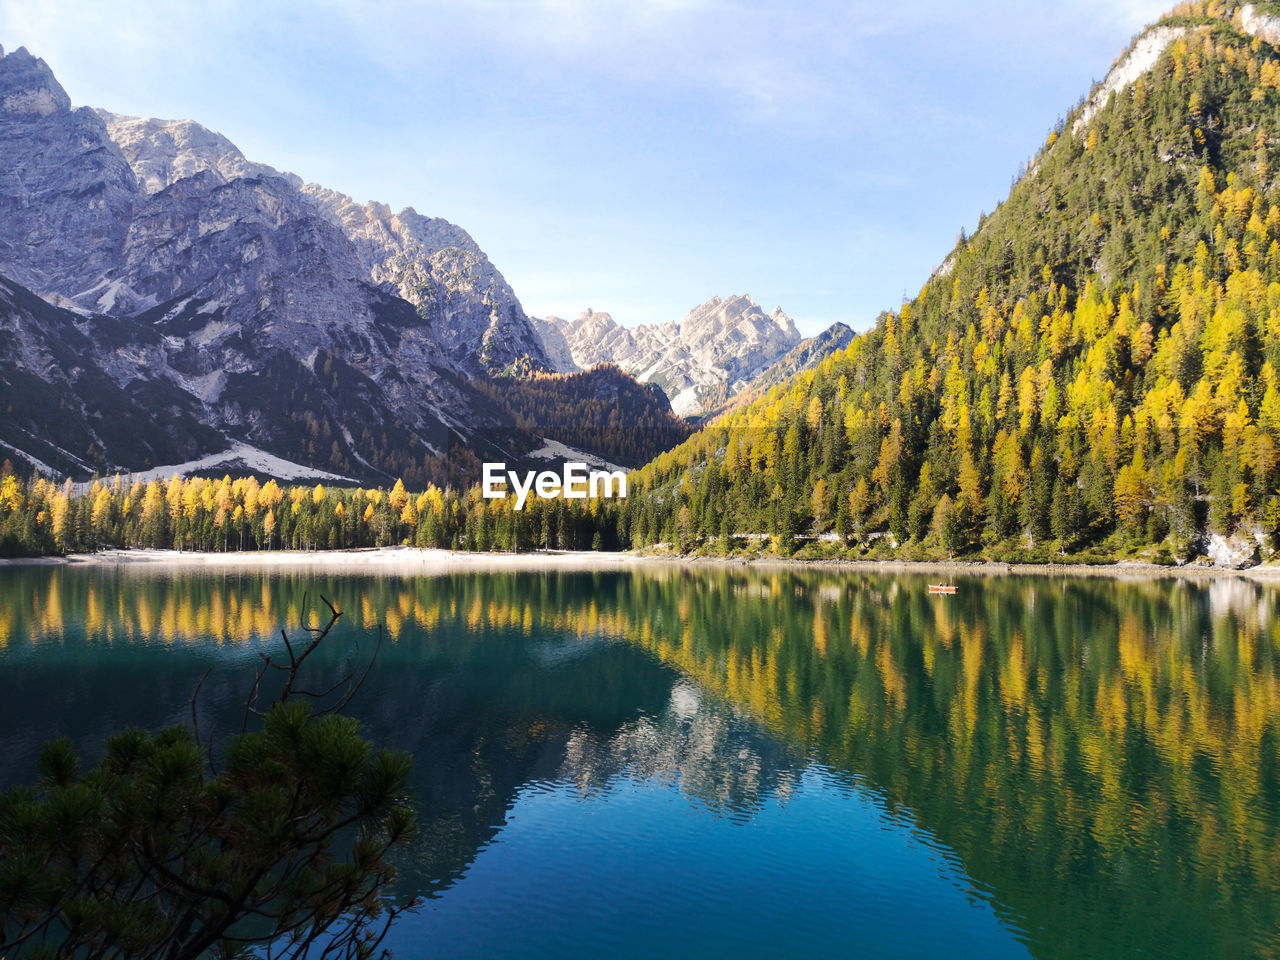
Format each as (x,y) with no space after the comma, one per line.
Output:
(638,870)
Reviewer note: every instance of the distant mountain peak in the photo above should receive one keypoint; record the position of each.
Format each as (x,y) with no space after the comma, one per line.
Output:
(714,351)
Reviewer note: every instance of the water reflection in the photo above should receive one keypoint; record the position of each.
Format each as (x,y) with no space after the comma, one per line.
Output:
(1103,757)
(713,755)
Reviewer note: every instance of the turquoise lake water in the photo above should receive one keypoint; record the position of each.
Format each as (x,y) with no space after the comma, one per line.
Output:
(728,762)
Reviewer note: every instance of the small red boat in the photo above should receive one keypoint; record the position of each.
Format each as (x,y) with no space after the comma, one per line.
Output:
(942,588)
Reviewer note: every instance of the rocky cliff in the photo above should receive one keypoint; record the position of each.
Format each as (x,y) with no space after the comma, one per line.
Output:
(433,264)
(279,314)
(714,352)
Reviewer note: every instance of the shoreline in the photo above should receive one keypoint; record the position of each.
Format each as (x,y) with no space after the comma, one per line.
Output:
(415,560)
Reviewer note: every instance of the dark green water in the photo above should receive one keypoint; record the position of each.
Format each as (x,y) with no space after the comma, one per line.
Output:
(679,762)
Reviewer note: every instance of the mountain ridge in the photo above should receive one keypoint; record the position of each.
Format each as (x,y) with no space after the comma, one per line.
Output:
(280,314)
(716,349)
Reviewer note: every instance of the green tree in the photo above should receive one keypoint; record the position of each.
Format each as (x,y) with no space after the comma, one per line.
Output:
(151,854)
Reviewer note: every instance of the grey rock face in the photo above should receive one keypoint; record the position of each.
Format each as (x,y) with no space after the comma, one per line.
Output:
(430,262)
(1232,553)
(228,289)
(552,332)
(66,192)
(162,152)
(714,352)
(65,413)
(436,266)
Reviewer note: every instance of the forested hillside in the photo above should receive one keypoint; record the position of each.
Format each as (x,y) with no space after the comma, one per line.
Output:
(1095,368)
(603,410)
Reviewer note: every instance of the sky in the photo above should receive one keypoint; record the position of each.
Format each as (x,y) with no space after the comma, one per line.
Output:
(632,156)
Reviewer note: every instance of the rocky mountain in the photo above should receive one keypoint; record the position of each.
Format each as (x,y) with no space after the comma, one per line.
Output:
(62,412)
(715,351)
(437,267)
(430,262)
(66,193)
(805,355)
(162,152)
(275,313)
(551,331)
(1094,373)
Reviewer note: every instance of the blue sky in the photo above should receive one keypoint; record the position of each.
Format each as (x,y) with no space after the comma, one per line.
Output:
(637,157)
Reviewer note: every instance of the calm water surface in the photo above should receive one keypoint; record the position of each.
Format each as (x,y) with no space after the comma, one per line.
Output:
(675,762)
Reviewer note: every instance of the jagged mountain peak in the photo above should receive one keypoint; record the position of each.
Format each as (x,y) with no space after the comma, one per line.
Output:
(28,86)
(712,353)
(217,285)
(597,318)
(441,270)
(66,191)
(716,316)
(161,152)
(783,320)
(54,242)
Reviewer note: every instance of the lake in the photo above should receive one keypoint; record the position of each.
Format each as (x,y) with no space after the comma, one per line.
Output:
(699,761)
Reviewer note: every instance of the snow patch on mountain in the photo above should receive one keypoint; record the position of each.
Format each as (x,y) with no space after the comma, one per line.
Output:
(36,462)
(239,457)
(555,450)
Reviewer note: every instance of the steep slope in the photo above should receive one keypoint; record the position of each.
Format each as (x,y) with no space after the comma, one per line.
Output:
(1096,368)
(63,412)
(430,262)
(268,311)
(805,355)
(66,192)
(437,267)
(713,352)
(551,331)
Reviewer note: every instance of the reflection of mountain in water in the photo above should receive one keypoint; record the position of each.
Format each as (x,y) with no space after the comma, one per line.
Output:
(709,750)
(1103,756)
(487,715)
(491,683)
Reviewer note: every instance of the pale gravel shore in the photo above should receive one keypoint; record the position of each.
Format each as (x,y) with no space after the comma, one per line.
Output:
(413,560)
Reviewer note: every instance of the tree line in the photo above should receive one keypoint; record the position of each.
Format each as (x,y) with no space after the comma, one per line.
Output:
(39,517)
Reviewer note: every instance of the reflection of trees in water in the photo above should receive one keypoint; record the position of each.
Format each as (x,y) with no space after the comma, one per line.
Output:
(1104,756)
(710,751)
(1101,754)
(483,680)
